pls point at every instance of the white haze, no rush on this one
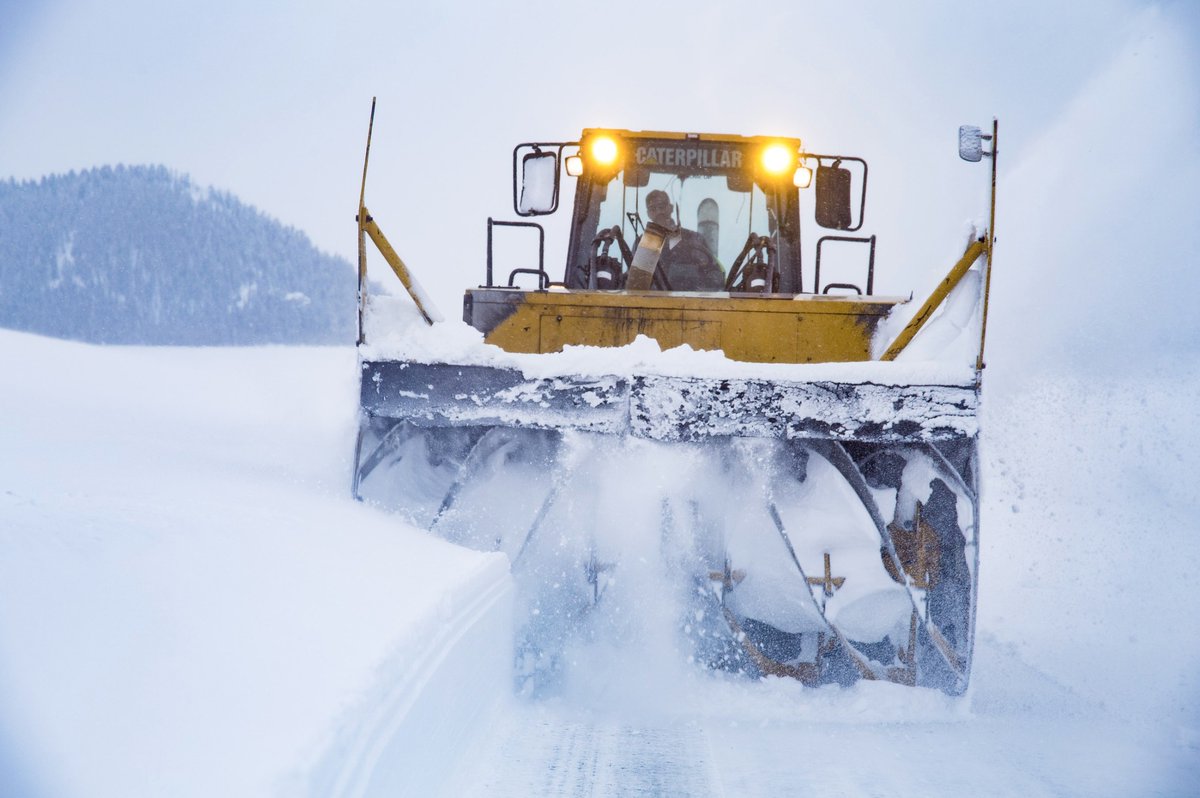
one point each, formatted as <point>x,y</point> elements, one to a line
<point>271,100</point>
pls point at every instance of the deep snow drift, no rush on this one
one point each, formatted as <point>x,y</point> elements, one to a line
<point>190,604</point>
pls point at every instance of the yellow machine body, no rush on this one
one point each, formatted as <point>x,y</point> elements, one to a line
<point>801,329</point>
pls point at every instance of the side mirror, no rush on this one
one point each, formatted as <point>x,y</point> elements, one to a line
<point>833,209</point>
<point>970,143</point>
<point>538,184</point>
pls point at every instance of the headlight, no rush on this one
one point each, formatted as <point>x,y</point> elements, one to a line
<point>802,178</point>
<point>777,159</point>
<point>603,150</point>
<point>574,165</point>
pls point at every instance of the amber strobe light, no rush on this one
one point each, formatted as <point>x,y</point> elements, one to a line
<point>778,158</point>
<point>603,150</point>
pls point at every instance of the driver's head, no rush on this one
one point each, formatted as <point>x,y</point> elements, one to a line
<point>659,208</point>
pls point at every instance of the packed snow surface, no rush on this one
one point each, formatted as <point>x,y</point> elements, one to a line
<point>191,604</point>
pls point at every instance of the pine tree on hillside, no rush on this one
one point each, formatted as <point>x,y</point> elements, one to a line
<point>138,255</point>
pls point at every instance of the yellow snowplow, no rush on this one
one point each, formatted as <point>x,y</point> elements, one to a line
<point>690,384</point>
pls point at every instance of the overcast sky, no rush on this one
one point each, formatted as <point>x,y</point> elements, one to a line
<point>269,100</point>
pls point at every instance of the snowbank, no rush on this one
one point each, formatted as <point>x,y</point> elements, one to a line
<point>190,604</point>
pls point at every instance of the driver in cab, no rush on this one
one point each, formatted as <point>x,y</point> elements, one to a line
<point>686,263</point>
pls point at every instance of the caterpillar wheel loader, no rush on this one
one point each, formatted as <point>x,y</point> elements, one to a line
<point>684,393</point>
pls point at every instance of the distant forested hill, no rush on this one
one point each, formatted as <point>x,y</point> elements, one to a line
<point>140,255</point>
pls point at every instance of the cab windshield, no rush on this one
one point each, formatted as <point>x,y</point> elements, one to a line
<point>714,202</point>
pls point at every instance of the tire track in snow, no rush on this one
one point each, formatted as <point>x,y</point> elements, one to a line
<point>541,750</point>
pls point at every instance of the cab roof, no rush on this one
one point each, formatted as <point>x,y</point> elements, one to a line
<point>669,135</point>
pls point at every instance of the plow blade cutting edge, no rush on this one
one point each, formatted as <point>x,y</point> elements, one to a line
<point>668,408</point>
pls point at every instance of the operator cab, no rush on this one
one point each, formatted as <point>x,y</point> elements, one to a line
<point>733,218</point>
<point>720,198</point>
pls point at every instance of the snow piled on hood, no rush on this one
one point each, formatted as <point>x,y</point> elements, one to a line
<point>395,331</point>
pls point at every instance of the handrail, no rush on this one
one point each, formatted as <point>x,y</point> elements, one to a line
<point>544,278</point>
<point>870,264</point>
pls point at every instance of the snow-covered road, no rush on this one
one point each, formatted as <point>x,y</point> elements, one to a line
<point>562,751</point>
<point>1019,733</point>
<point>190,604</point>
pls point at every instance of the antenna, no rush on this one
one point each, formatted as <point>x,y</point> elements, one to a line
<point>361,218</point>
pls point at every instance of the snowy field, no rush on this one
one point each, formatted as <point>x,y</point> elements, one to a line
<point>190,604</point>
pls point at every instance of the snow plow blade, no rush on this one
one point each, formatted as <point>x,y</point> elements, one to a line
<point>876,482</point>
<point>547,471</point>
<point>668,408</point>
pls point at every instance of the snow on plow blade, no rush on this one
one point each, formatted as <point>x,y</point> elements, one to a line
<point>668,408</point>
